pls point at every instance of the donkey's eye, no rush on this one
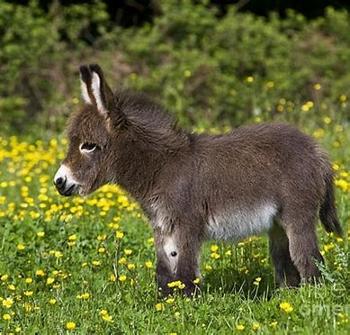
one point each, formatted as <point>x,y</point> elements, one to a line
<point>88,147</point>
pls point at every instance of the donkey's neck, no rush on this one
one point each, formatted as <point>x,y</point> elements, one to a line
<point>147,157</point>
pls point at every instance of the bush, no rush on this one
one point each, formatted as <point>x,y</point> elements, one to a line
<point>207,70</point>
<point>35,55</point>
<point>241,66</point>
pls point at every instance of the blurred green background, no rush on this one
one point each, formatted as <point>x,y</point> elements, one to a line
<point>211,63</point>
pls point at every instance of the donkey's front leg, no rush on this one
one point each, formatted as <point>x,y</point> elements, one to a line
<point>178,259</point>
<point>164,275</point>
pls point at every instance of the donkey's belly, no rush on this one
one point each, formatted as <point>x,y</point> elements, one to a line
<point>240,223</point>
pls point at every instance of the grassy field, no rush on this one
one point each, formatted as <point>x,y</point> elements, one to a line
<point>86,265</point>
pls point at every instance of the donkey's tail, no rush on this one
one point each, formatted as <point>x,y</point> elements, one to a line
<point>328,212</point>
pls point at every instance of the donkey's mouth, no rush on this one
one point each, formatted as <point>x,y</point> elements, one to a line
<point>68,192</point>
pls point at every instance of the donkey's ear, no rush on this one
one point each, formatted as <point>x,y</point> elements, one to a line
<point>85,81</point>
<point>94,88</point>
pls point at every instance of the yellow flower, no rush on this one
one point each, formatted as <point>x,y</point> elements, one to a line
<point>4,277</point>
<point>328,247</point>
<point>256,325</point>
<point>58,254</point>
<point>131,266</point>
<point>170,300</point>
<point>70,325</point>
<point>273,324</point>
<point>214,255</point>
<point>319,133</point>
<point>7,303</point>
<point>83,296</point>
<point>257,281</point>
<point>159,307</point>
<point>127,252</point>
<point>101,237</point>
<point>286,307</point>
<point>270,84</point>
<point>52,301</point>
<point>72,237</point>
<point>50,280</point>
<point>343,98</point>
<point>28,293</point>
<point>149,265</point>
<point>122,261</point>
<point>28,280</point>
<point>196,281</point>
<point>20,246</point>
<point>122,278</point>
<point>105,316</point>
<point>6,317</point>
<point>240,327</point>
<point>327,120</point>
<point>214,248</point>
<point>119,234</point>
<point>40,273</point>
<point>40,234</point>
<point>307,106</point>
<point>176,283</point>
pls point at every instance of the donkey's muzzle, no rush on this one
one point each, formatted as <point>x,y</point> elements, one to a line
<point>64,181</point>
<point>61,185</point>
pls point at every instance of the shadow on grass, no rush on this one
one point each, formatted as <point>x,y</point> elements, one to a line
<point>256,285</point>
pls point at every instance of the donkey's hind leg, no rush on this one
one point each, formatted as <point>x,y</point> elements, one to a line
<point>300,229</point>
<point>286,273</point>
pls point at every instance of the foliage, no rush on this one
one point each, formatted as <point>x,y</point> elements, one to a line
<point>206,69</point>
<point>35,51</point>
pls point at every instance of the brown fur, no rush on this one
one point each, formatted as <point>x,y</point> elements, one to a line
<point>188,183</point>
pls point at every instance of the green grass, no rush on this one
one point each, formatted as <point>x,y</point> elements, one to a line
<point>81,270</point>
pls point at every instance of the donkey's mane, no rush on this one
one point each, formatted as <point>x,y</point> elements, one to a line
<point>148,118</point>
<point>142,110</point>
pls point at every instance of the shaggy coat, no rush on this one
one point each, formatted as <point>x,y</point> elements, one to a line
<point>265,178</point>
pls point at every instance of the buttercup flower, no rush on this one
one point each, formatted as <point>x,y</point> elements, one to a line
<point>71,325</point>
<point>286,307</point>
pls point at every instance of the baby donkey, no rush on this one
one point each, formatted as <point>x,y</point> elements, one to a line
<point>263,178</point>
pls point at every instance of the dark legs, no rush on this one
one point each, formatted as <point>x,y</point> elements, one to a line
<point>293,247</point>
<point>286,273</point>
<point>177,260</point>
<point>304,252</point>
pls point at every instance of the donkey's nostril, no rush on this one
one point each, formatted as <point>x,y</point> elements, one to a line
<point>59,182</point>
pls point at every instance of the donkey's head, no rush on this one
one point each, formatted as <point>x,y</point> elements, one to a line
<point>92,133</point>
